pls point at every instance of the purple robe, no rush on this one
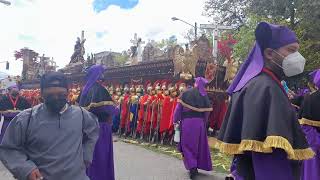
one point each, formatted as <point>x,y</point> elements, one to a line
<point>102,167</point>
<point>310,122</point>
<point>275,163</point>
<point>311,167</point>
<point>194,141</point>
<point>316,77</point>
<point>102,164</point>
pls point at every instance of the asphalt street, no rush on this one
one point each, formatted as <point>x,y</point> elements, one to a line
<point>136,163</point>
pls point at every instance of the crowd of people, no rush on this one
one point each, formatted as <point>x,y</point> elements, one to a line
<point>146,111</point>
<point>266,127</point>
<point>148,114</point>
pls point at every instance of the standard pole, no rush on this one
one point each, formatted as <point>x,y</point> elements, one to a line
<point>195,30</point>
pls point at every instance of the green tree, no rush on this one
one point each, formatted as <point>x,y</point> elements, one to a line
<point>301,15</point>
<point>190,35</point>
<point>245,37</point>
<point>121,58</point>
<point>309,48</point>
<point>276,9</point>
<point>235,12</point>
<point>165,43</point>
<point>230,12</point>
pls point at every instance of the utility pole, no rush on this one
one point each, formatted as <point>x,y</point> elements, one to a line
<point>195,30</point>
<point>7,64</point>
<point>195,26</point>
<point>215,28</point>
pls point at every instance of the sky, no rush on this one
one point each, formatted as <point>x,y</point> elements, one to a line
<point>51,27</point>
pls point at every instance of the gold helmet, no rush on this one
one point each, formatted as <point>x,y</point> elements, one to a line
<point>132,89</point>
<point>139,89</point>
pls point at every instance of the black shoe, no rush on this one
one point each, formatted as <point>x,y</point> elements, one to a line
<point>193,173</point>
<point>229,178</point>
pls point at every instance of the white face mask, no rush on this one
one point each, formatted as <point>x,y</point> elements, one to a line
<point>293,64</point>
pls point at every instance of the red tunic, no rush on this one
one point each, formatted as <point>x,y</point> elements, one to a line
<point>158,99</point>
<point>148,102</point>
<point>142,101</point>
<point>175,102</point>
<point>167,105</point>
<point>151,101</point>
<point>217,115</point>
<point>124,110</point>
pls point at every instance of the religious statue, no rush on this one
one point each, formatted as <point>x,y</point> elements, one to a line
<point>152,53</point>
<point>231,69</point>
<point>79,50</point>
<point>90,60</point>
<point>136,50</point>
<point>211,70</point>
<point>205,49</point>
<point>185,61</point>
<point>46,64</point>
<point>30,63</point>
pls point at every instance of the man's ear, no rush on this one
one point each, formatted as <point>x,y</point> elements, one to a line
<point>268,54</point>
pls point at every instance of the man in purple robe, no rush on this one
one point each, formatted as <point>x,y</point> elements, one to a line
<point>97,100</point>
<point>11,105</point>
<point>261,128</point>
<point>192,112</point>
<point>310,121</point>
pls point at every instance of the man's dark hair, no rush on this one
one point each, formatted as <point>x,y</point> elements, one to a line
<point>53,79</point>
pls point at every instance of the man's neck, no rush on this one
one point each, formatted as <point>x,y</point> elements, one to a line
<point>277,73</point>
<point>64,109</point>
<point>14,96</point>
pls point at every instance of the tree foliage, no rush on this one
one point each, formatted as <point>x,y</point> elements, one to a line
<point>164,43</point>
<point>236,12</point>
<point>245,37</point>
<point>276,9</point>
<point>303,16</point>
<point>190,35</point>
<point>230,12</point>
<point>122,58</point>
<point>309,48</point>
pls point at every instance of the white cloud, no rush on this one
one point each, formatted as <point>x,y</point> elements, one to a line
<point>51,27</point>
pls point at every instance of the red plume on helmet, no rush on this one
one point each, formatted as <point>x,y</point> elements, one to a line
<point>179,83</point>
<point>157,83</point>
<point>146,84</point>
<point>164,84</point>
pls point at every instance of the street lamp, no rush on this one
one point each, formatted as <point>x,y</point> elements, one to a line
<point>5,2</point>
<point>194,26</point>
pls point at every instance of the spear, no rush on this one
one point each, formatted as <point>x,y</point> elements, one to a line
<point>145,116</point>
<point>156,132</point>
<point>152,118</point>
<point>127,121</point>
<point>135,121</point>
